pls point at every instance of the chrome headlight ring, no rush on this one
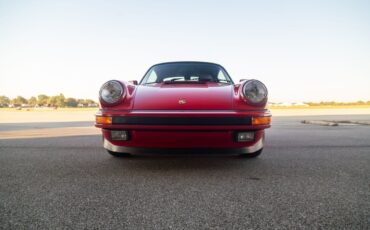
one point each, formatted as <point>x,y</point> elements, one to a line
<point>254,91</point>
<point>111,92</point>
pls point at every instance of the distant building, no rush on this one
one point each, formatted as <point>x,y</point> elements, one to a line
<point>299,104</point>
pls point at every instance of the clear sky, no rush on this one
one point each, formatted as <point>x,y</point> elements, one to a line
<point>302,50</point>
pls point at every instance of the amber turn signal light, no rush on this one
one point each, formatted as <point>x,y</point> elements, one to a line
<point>103,120</point>
<point>261,120</point>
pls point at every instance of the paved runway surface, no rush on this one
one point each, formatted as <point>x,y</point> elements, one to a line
<point>308,177</point>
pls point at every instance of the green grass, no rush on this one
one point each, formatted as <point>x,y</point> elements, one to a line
<point>48,109</point>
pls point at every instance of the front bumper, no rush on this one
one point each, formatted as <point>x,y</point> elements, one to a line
<point>144,151</point>
<point>183,131</point>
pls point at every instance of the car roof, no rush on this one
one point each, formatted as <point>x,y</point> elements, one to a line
<point>187,62</point>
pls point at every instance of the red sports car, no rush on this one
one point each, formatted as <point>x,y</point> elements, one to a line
<point>183,107</point>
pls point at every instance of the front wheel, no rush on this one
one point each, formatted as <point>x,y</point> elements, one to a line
<point>252,155</point>
<point>116,154</point>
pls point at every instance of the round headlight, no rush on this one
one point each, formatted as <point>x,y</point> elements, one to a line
<point>255,91</point>
<point>111,92</point>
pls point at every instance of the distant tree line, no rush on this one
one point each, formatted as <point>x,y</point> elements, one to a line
<point>43,100</point>
<point>333,103</point>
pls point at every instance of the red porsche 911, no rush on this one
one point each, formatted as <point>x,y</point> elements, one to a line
<point>183,107</point>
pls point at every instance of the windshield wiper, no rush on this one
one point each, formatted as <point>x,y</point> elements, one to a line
<point>150,83</point>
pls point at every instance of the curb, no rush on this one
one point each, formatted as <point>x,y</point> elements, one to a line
<point>323,123</point>
<point>352,122</point>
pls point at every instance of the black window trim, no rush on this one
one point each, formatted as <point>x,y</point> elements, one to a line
<point>187,62</point>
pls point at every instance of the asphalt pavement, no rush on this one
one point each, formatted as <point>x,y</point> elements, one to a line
<point>308,177</point>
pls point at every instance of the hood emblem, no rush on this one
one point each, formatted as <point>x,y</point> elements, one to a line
<point>182,101</point>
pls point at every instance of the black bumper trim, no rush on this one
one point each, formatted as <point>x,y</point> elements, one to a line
<point>128,120</point>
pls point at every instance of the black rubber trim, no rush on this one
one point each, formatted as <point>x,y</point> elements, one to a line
<point>126,120</point>
<point>185,151</point>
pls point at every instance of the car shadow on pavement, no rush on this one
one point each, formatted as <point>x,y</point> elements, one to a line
<point>184,162</point>
<point>87,153</point>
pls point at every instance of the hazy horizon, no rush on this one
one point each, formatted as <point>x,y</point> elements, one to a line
<point>97,99</point>
<point>303,51</point>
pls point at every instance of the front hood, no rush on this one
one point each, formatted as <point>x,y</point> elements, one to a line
<point>207,96</point>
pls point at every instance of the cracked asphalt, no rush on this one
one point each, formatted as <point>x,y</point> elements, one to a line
<point>308,177</point>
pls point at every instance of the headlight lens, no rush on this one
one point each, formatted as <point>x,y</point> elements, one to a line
<point>255,91</point>
<point>111,92</point>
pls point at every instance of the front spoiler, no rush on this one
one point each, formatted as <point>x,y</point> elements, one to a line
<point>147,151</point>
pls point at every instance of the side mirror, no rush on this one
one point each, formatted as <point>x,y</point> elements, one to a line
<point>134,82</point>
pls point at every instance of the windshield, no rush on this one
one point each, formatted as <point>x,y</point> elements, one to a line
<point>186,73</point>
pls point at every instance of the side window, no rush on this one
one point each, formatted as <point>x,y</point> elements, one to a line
<point>152,77</point>
<point>221,77</point>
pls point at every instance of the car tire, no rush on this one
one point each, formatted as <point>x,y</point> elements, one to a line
<point>117,154</point>
<point>252,155</point>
